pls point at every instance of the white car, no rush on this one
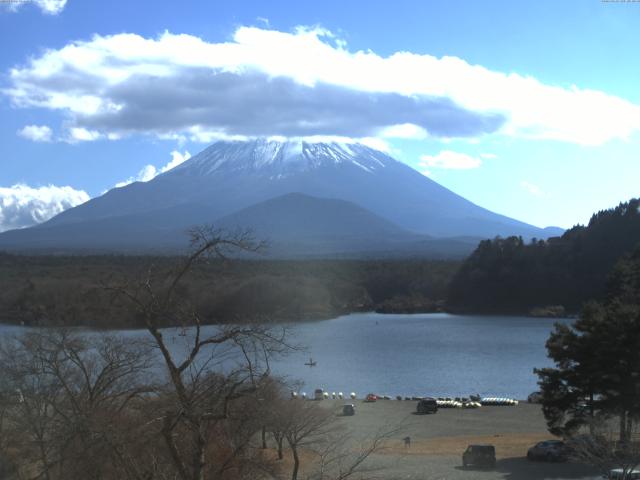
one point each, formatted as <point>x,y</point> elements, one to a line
<point>618,474</point>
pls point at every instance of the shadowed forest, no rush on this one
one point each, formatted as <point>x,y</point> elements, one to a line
<point>51,290</point>
<point>504,275</point>
<point>511,276</point>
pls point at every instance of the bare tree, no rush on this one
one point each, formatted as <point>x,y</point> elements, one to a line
<point>307,426</point>
<point>96,406</point>
<point>602,448</point>
<point>331,452</point>
<point>217,367</point>
<point>342,458</point>
<point>67,399</point>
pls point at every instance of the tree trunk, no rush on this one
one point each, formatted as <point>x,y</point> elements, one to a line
<point>296,463</point>
<point>623,427</point>
<point>264,437</point>
<point>44,459</point>
<point>280,454</point>
<point>199,461</point>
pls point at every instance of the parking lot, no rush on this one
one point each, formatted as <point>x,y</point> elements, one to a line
<point>437,441</point>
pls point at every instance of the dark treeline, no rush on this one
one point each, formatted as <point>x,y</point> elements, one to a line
<point>504,275</point>
<point>73,290</point>
<point>508,275</point>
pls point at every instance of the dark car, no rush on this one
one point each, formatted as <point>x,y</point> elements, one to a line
<point>427,405</point>
<point>549,451</point>
<point>348,409</point>
<point>479,456</point>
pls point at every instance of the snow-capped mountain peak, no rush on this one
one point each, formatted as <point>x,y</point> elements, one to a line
<point>280,158</point>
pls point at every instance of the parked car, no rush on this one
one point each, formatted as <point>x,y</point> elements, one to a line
<point>549,451</point>
<point>479,456</point>
<point>372,397</point>
<point>427,405</point>
<point>618,474</point>
<point>348,409</point>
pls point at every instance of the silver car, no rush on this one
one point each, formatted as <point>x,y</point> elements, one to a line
<point>549,451</point>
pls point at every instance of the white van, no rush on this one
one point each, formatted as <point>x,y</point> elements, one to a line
<point>618,474</point>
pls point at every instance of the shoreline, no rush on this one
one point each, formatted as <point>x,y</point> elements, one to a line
<point>309,319</point>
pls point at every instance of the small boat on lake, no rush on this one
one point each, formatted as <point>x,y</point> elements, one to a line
<point>311,362</point>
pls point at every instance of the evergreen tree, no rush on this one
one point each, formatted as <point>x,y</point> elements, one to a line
<point>597,359</point>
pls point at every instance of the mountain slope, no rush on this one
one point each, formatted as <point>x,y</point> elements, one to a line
<point>300,225</point>
<point>297,216</point>
<point>230,176</point>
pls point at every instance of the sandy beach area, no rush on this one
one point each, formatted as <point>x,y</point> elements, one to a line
<point>438,441</point>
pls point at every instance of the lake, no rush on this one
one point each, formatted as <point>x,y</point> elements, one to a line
<point>424,354</point>
<point>415,355</point>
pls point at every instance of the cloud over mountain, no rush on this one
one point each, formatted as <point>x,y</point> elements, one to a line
<point>22,206</point>
<point>256,105</point>
<point>149,172</point>
<point>266,82</point>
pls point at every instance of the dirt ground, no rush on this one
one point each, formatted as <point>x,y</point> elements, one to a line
<point>438,440</point>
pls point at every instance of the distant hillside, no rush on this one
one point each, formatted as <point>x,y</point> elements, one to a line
<point>302,217</point>
<point>296,224</point>
<point>510,275</point>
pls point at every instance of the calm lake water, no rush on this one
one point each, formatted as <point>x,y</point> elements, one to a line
<point>429,354</point>
<point>425,354</point>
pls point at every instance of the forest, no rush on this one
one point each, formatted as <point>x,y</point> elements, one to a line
<point>74,290</point>
<point>508,275</point>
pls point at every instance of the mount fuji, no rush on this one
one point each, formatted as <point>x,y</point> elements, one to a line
<point>306,198</point>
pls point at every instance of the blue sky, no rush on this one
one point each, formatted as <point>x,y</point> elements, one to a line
<point>537,110</point>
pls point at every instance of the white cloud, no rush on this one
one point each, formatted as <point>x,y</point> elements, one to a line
<point>22,206</point>
<point>36,133</point>
<point>448,159</point>
<point>79,134</point>
<point>50,7</point>
<point>149,172</point>
<point>302,83</point>
<point>176,159</point>
<point>375,143</point>
<point>406,130</point>
<point>533,189</point>
<point>488,156</point>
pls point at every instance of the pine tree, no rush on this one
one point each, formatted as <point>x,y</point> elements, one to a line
<point>597,359</point>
